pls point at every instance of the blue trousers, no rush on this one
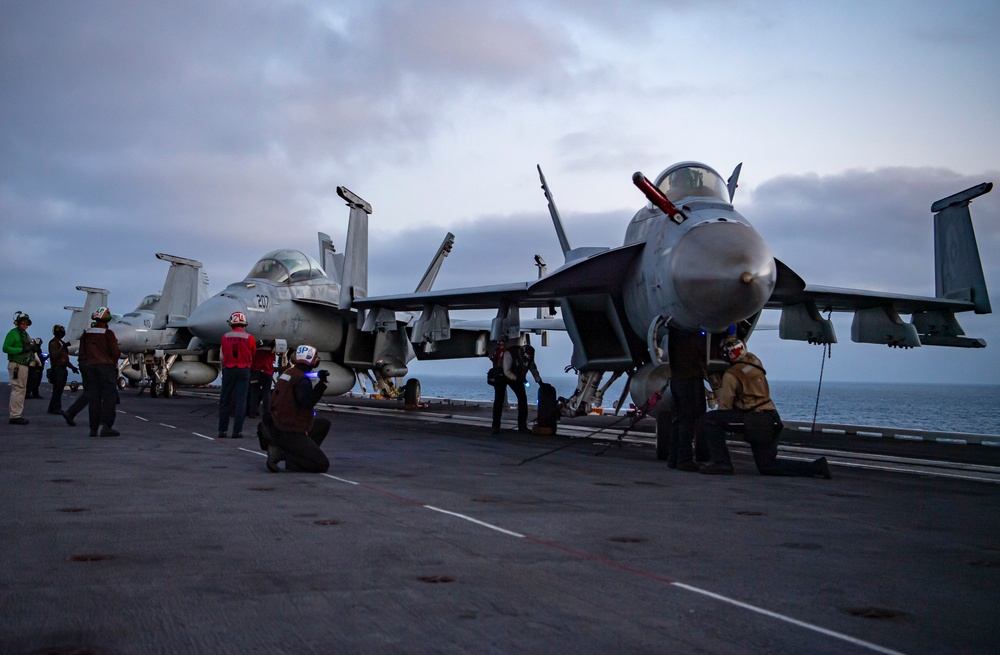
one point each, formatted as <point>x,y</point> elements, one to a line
<point>233,398</point>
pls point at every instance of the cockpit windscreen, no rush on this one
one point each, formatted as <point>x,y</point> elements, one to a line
<point>692,181</point>
<point>284,266</point>
<point>149,303</point>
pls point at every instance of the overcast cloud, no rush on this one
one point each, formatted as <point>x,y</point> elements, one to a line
<point>219,131</point>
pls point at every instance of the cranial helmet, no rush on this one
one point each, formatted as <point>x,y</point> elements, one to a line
<point>58,331</point>
<point>21,316</point>
<point>237,318</point>
<point>102,314</point>
<point>733,349</point>
<point>307,355</point>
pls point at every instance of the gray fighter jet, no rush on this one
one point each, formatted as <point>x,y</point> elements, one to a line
<point>290,298</point>
<point>158,352</point>
<point>691,262</point>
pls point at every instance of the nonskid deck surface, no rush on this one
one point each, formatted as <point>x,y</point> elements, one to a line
<point>432,535</point>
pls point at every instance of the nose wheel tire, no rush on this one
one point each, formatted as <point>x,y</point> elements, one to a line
<point>411,393</point>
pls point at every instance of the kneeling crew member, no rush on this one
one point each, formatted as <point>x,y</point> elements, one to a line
<point>745,406</point>
<point>297,435</point>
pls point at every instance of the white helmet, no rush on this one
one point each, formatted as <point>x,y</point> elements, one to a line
<point>732,349</point>
<point>102,314</point>
<point>306,354</point>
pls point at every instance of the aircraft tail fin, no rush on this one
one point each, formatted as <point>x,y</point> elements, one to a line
<point>80,320</point>
<point>185,288</point>
<point>734,181</point>
<point>958,269</point>
<point>556,220</point>
<point>354,277</point>
<point>333,261</point>
<point>427,281</point>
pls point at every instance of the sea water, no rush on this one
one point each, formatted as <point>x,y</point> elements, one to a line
<point>946,408</point>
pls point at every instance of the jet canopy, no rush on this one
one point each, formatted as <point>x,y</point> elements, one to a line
<point>691,179</point>
<point>149,303</point>
<point>285,266</point>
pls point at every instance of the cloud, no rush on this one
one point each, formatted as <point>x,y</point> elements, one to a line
<point>867,229</point>
<point>219,131</point>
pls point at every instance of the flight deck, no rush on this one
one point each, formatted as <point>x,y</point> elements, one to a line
<point>430,535</point>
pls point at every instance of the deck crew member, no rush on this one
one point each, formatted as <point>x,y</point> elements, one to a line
<point>58,364</point>
<point>292,433</point>
<point>20,350</point>
<point>687,355</point>
<point>513,365</point>
<point>237,351</point>
<point>35,370</point>
<point>99,349</point>
<point>745,406</point>
<point>261,379</point>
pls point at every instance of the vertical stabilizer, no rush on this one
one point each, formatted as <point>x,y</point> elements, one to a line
<point>958,269</point>
<point>354,279</point>
<point>556,220</point>
<point>185,288</point>
<point>734,181</point>
<point>333,261</point>
<point>427,281</point>
<point>80,320</point>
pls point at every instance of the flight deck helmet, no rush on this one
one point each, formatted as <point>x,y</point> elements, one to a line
<point>733,349</point>
<point>58,331</point>
<point>306,355</point>
<point>102,314</point>
<point>238,319</point>
<point>21,316</point>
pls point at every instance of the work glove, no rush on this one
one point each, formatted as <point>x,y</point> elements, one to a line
<point>323,376</point>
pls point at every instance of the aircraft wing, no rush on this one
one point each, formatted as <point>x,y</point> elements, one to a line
<point>527,324</point>
<point>602,272</point>
<point>876,314</point>
<point>486,297</point>
<point>848,300</point>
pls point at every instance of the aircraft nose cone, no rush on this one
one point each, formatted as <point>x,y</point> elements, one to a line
<point>723,272</point>
<point>210,320</point>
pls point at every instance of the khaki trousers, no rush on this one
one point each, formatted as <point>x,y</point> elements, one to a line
<point>18,385</point>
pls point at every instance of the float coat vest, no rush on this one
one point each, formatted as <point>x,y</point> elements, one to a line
<point>288,416</point>
<point>747,388</point>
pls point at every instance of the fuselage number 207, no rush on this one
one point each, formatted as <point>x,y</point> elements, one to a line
<point>262,301</point>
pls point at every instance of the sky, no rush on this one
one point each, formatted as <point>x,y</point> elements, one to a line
<point>219,131</point>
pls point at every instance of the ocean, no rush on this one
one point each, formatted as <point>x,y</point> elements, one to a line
<point>947,408</point>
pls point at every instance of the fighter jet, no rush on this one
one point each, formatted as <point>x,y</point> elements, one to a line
<point>157,350</point>
<point>290,298</point>
<point>691,262</point>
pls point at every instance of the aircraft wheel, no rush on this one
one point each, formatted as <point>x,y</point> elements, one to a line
<point>154,389</point>
<point>663,430</point>
<point>168,389</point>
<point>411,393</point>
<point>122,383</point>
<point>74,386</point>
